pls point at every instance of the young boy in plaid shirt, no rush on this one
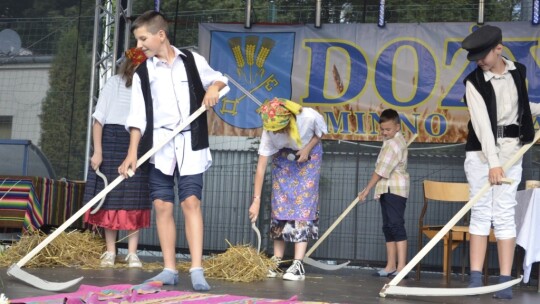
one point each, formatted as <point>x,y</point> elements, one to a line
<point>391,182</point>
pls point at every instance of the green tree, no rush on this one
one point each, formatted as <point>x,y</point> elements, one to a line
<point>41,8</point>
<point>65,108</point>
<point>14,8</point>
<point>407,11</point>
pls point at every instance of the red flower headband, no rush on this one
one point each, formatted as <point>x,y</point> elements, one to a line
<point>136,55</point>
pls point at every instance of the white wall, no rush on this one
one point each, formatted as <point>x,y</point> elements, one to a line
<point>22,90</point>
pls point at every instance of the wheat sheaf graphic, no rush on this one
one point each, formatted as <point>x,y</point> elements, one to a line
<point>249,57</point>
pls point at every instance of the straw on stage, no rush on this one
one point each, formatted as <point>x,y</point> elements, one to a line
<point>74,249</point>
<point>239,263</point>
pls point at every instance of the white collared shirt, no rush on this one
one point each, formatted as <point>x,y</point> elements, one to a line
<point>170,96</point>
<point>112,107</point>
<point>496,153</point>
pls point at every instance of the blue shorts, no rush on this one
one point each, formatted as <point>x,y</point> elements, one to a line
<point>162,185</point>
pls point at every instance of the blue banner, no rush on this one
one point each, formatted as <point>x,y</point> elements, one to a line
<point>351,72</point>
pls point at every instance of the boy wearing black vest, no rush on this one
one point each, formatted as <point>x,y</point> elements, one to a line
<point>167,88</point>
<point>501,122</point>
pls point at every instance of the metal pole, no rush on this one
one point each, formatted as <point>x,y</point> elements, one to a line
<point>365,11</point>
<point>318,13</point>
<point>116,35</point>
<point>92,88</point>
<point>127,18</point>
<point>382,21</point>
<point>480,12</point>
<point>272,11</point>
<point>535,12</point>
<point>247,23</point>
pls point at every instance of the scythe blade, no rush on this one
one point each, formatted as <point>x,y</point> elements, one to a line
<point>322,265</point>
<point>441,292</point>
<point>16,271</point>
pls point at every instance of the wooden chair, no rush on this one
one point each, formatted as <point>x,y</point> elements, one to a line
<point>446,192</point>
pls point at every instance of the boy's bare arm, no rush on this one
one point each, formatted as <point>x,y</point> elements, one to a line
<point>211,97</point>
<point>372,182</point>
<point>131,159</point>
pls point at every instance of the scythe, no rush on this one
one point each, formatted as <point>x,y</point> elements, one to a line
<point>15,269</point>
<point>392,289</point>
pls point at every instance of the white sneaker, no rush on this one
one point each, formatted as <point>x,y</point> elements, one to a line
<point>133,261</point>
<point>296,272</point>
<point>107,259</point>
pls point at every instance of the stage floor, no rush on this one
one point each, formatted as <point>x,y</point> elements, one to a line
<point>351,285</point>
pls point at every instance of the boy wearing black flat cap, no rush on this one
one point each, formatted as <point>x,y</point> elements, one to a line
<point>501,121</point>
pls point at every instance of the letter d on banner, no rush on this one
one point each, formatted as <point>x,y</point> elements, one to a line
<point>349,62</point>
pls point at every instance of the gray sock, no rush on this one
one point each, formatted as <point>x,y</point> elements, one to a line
<point>476,279</point>
<point>197,279</point>
<point>167,277</point>
<point>505,293</point>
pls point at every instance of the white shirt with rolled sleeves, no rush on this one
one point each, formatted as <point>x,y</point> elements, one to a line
<point>309,123</point>
<point>170,95</point>
<point>496,153</point>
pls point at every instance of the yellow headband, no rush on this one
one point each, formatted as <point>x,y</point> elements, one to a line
<point>279,113</point>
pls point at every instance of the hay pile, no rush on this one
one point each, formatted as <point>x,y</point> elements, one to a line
<point>240,263</point>
<point>73,249</point>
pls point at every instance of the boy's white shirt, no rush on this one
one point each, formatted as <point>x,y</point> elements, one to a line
<point>496,153</point>
<point>170,95</point>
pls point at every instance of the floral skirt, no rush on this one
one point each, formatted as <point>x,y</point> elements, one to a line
<point>295,186</point>
<point>294,231</point>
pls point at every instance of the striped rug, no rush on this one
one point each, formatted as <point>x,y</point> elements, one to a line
<point>30,202</point>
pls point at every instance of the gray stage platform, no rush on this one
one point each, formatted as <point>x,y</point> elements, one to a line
<point>351,285</point>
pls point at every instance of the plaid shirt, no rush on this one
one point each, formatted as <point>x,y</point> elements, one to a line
<point>392,166</point>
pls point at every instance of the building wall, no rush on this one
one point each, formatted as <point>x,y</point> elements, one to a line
<point>22,90</point>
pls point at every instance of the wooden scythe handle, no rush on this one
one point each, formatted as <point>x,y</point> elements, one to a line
<point>422,253</point>
<point>344,214</point>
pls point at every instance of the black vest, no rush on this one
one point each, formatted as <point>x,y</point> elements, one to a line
<point>485,88</point>
<point>199,127</point>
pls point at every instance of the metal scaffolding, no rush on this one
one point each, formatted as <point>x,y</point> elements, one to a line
<point>111,37</point>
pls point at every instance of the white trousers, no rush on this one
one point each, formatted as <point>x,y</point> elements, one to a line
<point>497,206</point>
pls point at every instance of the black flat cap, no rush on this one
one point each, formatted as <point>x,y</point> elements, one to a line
<point>481,41</point>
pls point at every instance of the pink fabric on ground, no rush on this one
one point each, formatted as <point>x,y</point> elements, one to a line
<point>145,293</point>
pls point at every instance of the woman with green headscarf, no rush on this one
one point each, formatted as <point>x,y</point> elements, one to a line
<point>292,138</point>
